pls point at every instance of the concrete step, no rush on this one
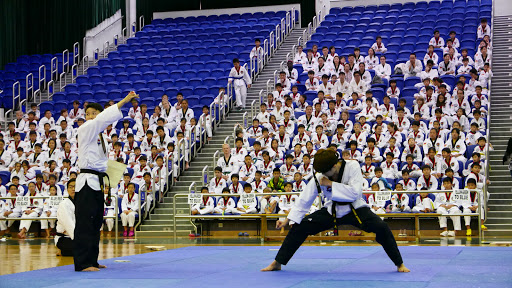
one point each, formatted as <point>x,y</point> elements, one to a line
<point>153,234</point>
<point>497,233</point>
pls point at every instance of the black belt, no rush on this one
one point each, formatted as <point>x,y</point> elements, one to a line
<point>100,175</point>
<point>61,235</point>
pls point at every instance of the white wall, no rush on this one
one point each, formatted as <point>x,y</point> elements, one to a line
<point>343,3</point>
<point>105,31</point>
<point>207,12</point>
<point>502,7</point>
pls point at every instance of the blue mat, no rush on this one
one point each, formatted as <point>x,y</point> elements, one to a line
<point>312,266</point>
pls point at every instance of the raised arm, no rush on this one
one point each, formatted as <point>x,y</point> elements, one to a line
<point>89,131</point>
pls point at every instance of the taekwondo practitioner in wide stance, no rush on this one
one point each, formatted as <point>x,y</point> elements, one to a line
<point>341,183</point>
<point>89,199</point>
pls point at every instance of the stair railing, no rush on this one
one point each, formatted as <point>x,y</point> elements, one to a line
<point>215,157</point>
<point>204,174</point>
<point>253,109</point>
<point>487,130</point>
<point>260,98</point>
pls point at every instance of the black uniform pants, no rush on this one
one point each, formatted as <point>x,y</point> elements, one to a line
<point>89,206</point>
<point>321,220</point>
<point>65,244</point>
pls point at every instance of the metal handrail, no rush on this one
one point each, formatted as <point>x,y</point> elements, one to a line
<point>123,34</point>
<point>105,48</point>
<point>85,62</point>
<point>215,156</point>
<point>62,80</point>
<point>185,195</point>
<point>487,130</point>
<point>54,68</point>
<point>16,95</point>
<point>29,83</point>
<point>245,121</point>
<point>261,96</point>
<point>74,72</point>
<point>50,90</point>
<point>204,174</point>
<point>65,60</point>
<point>190,187</point>
<point>141,22</point>
<point>76,53</point>
<point>96,56</point>
<point>253,108</point>
<point>42,77</point>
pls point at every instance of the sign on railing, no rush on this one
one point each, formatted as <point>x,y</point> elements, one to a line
<point>194,198</point>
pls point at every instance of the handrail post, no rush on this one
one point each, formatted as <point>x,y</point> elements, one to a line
<point>204,174</point>
<point>141,22</point>
<point>74,73</point>
<point>123,35</point>
<point>16,95</point>
<point>215,156</point>
<point>253,109</point>
<point>134,28</point>
<point>261,100</point>
<point>245,120</point>
<point>105,48</point>
<point>85,62</point>
<point>50,89</point>
<point>192,186</point>
<point>55,69</point>
<point>96,56</point>
<point>76,53</point>
<point>116,214</point>
<point>29,83</point>
<point>42,77</point>
<point>62,80</point>
<point>65,60</point>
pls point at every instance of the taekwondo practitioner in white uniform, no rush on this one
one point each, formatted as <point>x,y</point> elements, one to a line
<point>344,204</point>
<point>89,200</point>
<point>241,80</point>
<point>66,222</point>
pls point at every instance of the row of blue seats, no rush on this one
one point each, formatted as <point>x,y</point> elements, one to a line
<point>412,34</point>
<point>392,21</point>
<point>222,17</point>
<point>180,84</point>
<point>63,100</point>
<point>189,47</point>
<point>408,17</point>
<point>217,27</point>
<point>154,56</point>
<point>161,48</point>
<point>198,66</point>
<point>142,37</point>
<point>435,5</point>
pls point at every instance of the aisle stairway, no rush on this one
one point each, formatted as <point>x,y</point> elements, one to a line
<point>161,222</point>
<point>499,219</point>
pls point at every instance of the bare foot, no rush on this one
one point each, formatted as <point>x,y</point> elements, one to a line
<point>403,269</point>
<point>274,266</point>
<point>90,269</point>
<point>22,235</point>
<point>102,266</point>
<point>58,253</point>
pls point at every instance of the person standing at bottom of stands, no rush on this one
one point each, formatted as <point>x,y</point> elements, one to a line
<point>89,200</point>
<point>342,184</point>
<point>66,222</point>
<point>241,80</point>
